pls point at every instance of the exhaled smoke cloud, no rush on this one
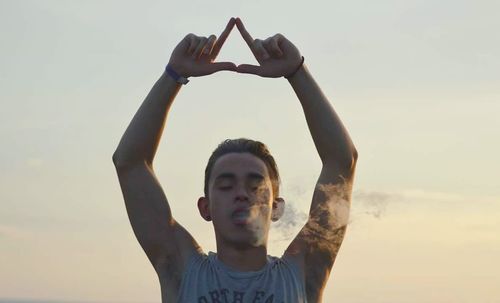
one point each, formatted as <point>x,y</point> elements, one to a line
<point>289,223</point>
<point>331,213</point>
<point>373,203</point>
<point>329,216</point>
<point>293,218</point>
<point>324,229</point>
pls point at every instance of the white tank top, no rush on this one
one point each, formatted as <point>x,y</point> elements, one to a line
<point>208,280</point>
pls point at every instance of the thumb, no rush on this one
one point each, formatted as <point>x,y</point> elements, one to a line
<point>219,66</point>
<point>249,69</point>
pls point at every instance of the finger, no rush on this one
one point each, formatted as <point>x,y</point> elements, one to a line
<point>222,38</point>
<point>209,45</point>
<point>244,33</point>
<point>191,38</point>
<point>201,43</point>
<point>259,48</point>
<point>273,47</point>
<point>249,69</point>
<point>220,66</point>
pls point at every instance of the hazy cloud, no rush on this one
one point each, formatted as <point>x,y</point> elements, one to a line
<point>13,232</point>
<point>373,203</point>
<point>34,162</point>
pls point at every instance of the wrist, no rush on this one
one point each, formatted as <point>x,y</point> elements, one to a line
<point>172,73</point>
<point>299,74</point>
<point>169,80</point>
<point>292,74</point>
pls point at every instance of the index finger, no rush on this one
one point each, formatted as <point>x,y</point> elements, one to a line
<point>244,33</point>
<point>223,37</point>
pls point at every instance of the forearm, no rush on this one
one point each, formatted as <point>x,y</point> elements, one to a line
<point>141,139</point>
<point>330,137</point>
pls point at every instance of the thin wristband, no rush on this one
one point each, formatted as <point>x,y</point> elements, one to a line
<point>300,65</point>
<point>176,76</point>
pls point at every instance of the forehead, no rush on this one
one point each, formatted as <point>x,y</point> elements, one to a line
<point>239,164</point>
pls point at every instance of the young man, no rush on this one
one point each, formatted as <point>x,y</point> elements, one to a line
<point>241,189</point>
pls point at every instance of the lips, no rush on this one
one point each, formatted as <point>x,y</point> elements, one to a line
<point>241,215</point>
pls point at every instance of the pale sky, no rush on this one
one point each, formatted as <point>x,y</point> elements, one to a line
<point>416,83</point>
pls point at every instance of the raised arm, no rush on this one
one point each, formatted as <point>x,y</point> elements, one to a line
<point>319,240</point>
<point>166,243</point>
<point>317,244</point>
<point>189,58</point>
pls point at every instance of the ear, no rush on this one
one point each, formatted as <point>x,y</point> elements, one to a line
<point>203,207</point>
<point>278,209</point>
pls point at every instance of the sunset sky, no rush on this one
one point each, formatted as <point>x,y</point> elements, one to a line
<point>416,83</point>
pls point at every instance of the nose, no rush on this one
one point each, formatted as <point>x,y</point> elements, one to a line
<point>241,194</point>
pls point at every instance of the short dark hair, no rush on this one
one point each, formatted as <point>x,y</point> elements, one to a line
<point>244,145</point>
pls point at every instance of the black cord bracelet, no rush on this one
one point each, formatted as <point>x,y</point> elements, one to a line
<point>300,65</point>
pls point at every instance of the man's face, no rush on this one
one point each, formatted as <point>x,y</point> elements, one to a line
<point>240,192</point>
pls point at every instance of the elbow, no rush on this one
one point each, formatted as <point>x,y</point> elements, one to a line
<point>353,159</point>
<point>345,163</point>
<point>350,158</point>
<point>122,162</point>
<point>114,158</point>
<point>350,164</point>
<point>117,161</point>
<point>354,155</point>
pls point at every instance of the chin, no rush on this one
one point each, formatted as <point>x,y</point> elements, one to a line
<point>249,240</point>
<point>244,245</point>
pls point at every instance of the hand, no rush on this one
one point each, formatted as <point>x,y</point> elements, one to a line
<point>195,55</point>
<point>276,55</point>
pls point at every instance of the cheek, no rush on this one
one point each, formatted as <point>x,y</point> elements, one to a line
<point>264,202</point>
<point>263,195</point>
<point>218,207</point>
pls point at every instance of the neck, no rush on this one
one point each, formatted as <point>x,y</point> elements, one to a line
<point>242,259</point>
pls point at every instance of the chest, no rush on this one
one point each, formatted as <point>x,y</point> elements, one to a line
<point>246,291</point>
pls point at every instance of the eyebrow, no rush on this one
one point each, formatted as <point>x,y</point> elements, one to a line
<point>233,176</point>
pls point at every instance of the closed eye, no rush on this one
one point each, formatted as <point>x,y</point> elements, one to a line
<point>229,187</point>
